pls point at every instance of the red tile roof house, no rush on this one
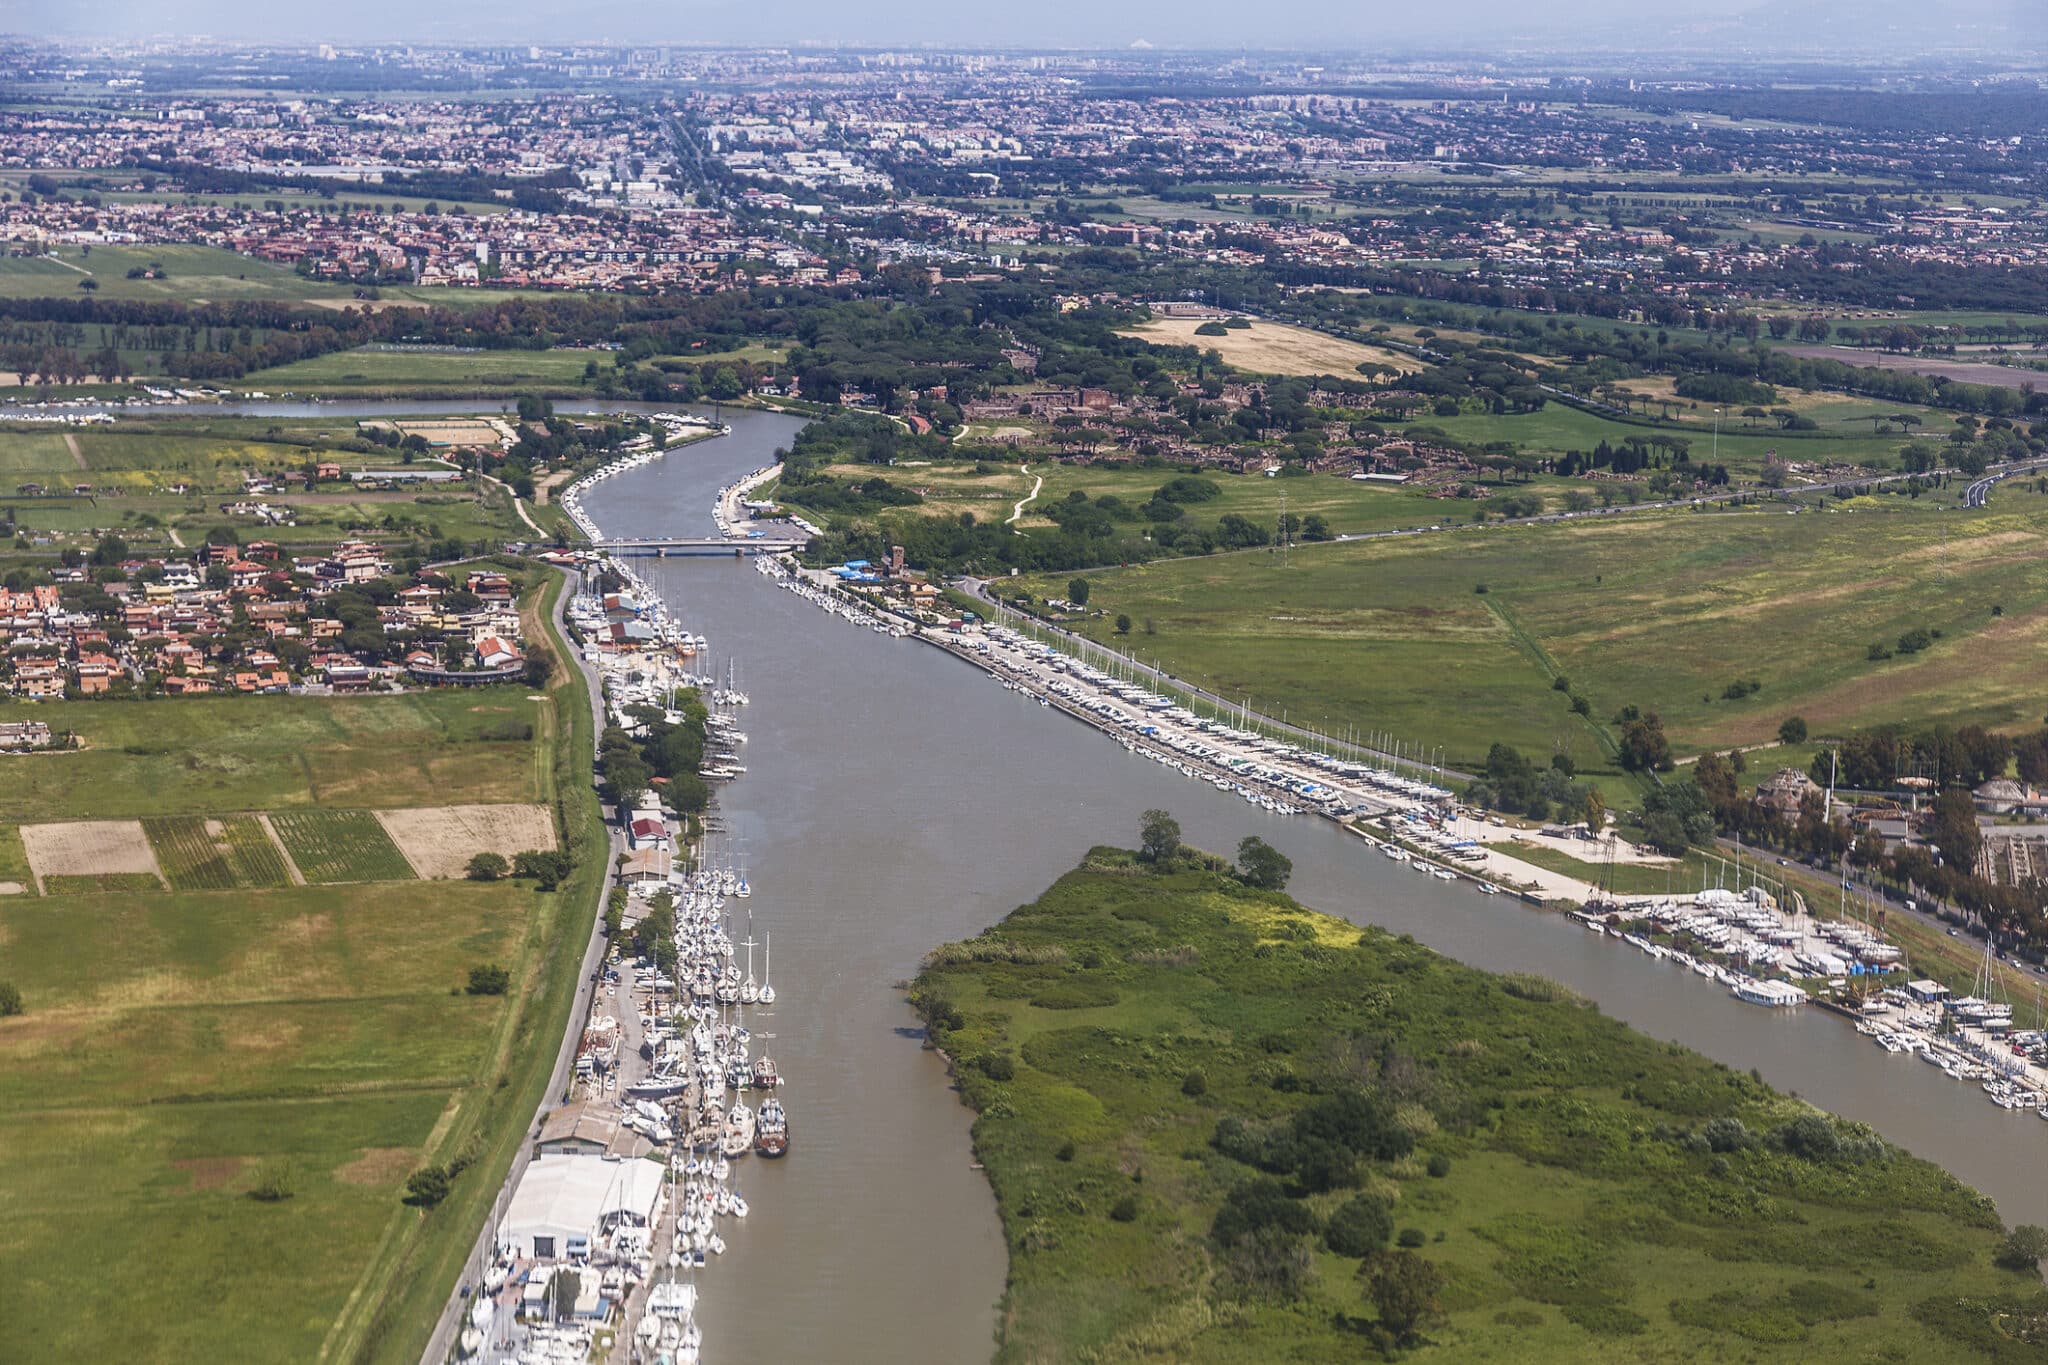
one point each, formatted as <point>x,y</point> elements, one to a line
<point>492,652</point>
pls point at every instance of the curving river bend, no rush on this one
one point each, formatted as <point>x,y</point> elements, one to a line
<point>896,798</point>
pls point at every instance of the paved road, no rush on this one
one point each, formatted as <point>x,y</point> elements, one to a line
<point>455,1312</point>
<point>1979,493</point>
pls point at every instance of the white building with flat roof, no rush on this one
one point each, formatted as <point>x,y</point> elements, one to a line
<point>564,1204</point>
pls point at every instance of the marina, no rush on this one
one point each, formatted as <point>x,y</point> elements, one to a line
<point>881,1215</point>
<point>1764,955</point>
<point>672,1066</point>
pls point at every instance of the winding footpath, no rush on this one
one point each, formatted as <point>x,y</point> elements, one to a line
<point>1026,500</point>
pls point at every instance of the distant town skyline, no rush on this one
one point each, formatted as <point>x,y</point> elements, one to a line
<point>1884,27</point>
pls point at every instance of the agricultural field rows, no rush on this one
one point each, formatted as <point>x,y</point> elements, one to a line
<point>201,854</point>
<point>331,846</point>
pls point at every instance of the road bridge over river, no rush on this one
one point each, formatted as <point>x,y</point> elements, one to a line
<point>662,547</point>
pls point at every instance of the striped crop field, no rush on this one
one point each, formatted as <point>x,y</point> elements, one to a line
<point>340,846</point>
<point>201,853</point>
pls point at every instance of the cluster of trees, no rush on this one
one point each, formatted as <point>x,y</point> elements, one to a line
<point>1511,783</point>
<point>1265,1231</point>
<point>1643,745</point>
<point>669,752</point>
<point>1259,864</point>
<point>547,868</point>
<point>654,933</point>
<point>1966,756</point>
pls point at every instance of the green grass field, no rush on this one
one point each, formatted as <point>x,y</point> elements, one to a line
<point>202,274</point>
<point>1137,1047</point>
<point>14,868</point>
<point>381,370</point>
<point>1349,508</point>
<point>203,755</point>
<point>103,884</point>
<point>134,470</point>
<point>429,369</point>
<point>192,273</point>
<point>1558,428</point>
<point>41,456</point>
<point>184,1053</point>
<point>178,1046</point>
<point>340,846</point>
<point>1660,611</point>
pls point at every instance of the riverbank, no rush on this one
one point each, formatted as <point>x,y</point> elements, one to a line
<point>424,1312</point>
<point>1286,1093</point>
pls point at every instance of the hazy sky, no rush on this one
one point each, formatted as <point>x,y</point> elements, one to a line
<point>1348,24</point>
<point>1051,22</point>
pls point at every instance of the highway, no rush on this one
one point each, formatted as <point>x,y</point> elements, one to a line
<point>1979,493</point>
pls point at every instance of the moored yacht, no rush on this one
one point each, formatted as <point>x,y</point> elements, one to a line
<point>771,1129</point>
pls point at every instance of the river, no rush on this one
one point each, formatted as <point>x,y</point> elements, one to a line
<point>896,798</point>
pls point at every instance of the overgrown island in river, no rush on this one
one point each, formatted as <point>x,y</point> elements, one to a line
<point>1223,1127</point>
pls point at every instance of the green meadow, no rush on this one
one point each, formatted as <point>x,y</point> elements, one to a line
<point>386,369</point>
<point>990,489</point>
<point>191,274</point>
<point>1213,1120</point>
<point>134,472</point>
<point>202,274</point>
<point>1557,428</point>
<point>205,755</point>
<point>215,1094</point>
<point>1459,639</point>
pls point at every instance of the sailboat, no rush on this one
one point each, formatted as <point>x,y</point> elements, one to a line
<point>672,1304</point>
<point>767,996</point>
<point>750,990</point>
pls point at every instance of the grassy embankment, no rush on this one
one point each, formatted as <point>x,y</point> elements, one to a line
<point>1596,1195</point>
<point>1658,611</point>
<point>183,1050</point>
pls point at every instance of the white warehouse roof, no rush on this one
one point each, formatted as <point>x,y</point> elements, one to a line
<point>571,1199</point>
